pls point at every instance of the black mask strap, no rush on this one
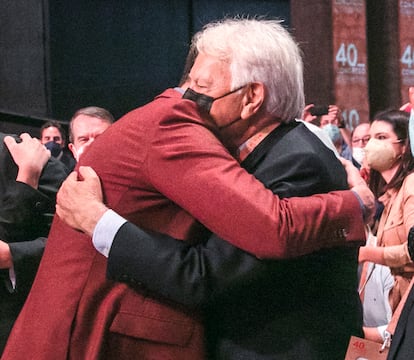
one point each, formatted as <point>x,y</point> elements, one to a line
<point>204,101</point>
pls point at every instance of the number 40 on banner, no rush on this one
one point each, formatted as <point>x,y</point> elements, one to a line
<point>407,57</point>
<point>347,55</point>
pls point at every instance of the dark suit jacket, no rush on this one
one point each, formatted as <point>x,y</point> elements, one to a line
<point>402,344</point>
<point>68,160</point>
<point>161,166</point>
<point>303,308</point>
<point>25,213</point>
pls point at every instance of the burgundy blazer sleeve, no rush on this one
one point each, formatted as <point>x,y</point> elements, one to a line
<point>206,181</point>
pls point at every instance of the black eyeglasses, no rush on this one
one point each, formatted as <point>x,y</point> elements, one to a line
<point>364,140</point>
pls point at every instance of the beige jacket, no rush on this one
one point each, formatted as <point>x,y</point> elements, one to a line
<point>395,223</point>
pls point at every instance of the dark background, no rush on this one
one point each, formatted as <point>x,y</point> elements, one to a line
<point>57,56</point>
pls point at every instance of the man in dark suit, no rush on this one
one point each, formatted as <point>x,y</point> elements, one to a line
<point>171,169</point>
<point>253,308</point>
<point>28,185</point>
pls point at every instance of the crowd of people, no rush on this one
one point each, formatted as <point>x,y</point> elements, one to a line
<point>234,222</point>
<point>29,185</point>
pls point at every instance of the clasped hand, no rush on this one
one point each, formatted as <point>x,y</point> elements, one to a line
<point>79,202</point>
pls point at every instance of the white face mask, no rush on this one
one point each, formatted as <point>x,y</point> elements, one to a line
<point>78,152</point>
<point>380,154</point>
<point>333,132</point>
<point>358,154</point>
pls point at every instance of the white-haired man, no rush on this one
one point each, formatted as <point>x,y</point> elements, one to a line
<point>171,158</point>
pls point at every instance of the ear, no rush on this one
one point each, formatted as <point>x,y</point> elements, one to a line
<point>71,147</point>
<point>253,99</point>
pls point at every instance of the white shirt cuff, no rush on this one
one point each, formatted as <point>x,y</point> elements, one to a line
<point>381,330</point>
<point>105,231</point>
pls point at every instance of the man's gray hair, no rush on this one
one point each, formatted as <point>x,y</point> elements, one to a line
<point>259,50</point>
<point>92,111</point>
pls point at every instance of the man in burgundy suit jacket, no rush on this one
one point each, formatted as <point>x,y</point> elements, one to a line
<point>162,166</point>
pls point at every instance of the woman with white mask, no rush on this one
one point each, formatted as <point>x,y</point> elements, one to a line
<point>391,179</point>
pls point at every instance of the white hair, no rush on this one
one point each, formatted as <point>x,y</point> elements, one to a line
<point>263,51</point>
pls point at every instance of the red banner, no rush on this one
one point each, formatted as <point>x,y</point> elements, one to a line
<point>350,60</point>
<point>406,34</point>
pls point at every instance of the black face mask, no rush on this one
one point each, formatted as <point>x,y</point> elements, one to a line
<point>54,148</point>
<point>203,101</point>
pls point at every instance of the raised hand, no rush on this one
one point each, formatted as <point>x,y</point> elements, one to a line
<point>30,156</point>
